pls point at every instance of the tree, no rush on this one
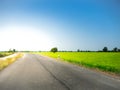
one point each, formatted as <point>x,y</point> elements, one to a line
<point>118,50</point>
<point>105,49</point>
<point>115,49</point>
<point>54,49</point>
<point>14,50</point>
<point>78,50</point>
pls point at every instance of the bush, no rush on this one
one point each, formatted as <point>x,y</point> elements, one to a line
<point>54,50</point>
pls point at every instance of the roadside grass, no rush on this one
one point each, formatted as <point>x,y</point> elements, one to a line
<point>106,61</point>
<point>3,54</point>
<point>7,61</point>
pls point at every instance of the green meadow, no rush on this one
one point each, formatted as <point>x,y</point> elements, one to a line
<point>106,61</point>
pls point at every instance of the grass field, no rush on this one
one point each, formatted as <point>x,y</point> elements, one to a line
<point>9,60</point>
<point>106,61</point>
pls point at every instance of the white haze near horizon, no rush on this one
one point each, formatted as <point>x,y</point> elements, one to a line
<point>25,38</point>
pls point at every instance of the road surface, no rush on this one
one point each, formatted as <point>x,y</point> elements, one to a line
<point>34,72</point>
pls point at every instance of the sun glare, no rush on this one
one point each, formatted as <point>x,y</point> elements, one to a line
<point>25,38</point>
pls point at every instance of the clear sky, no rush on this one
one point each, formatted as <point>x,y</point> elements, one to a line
<point>66,24</point>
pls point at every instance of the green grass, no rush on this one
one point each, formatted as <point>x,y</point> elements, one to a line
<point>3,54</point>
<point>106,61</point>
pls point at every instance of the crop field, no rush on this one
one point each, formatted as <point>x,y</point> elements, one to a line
<point>106,61</point>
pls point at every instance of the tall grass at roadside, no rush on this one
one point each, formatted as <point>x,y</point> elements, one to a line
<point>9,60</point>
<point>107,61</point>
<point>3,54</point>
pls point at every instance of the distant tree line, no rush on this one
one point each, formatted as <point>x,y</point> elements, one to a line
<point>105,49</point>
<point>115,49</point>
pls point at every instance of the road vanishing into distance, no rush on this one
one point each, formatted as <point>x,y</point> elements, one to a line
<point>35,72</point>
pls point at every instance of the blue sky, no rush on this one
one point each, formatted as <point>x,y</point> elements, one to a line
<point>66,24</point>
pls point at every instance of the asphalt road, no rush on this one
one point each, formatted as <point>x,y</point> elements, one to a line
<point>34,72</point>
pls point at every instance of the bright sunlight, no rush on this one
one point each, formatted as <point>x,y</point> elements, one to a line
<point>25,38</point>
